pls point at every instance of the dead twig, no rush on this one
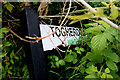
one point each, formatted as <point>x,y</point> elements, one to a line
<point>63,11</point>
<point>94,21</point>
<point>19,50</point>
<point>40,38</point>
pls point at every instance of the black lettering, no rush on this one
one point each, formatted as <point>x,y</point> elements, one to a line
<point>52,30</point>
<point>58,32</point>
<point>67,31</point>
<point>73,31</point>
<point>77,32</point>
<point>63,31</point>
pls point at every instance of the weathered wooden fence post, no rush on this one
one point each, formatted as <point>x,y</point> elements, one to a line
<point>34,51</point>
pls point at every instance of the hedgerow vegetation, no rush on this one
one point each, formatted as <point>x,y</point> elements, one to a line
<point>95,55</point>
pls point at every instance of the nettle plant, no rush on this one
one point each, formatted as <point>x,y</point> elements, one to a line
<point>99,55</point>
<point>104,50</point>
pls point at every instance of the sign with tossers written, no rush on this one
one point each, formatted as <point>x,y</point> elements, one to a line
<point>66,35</point>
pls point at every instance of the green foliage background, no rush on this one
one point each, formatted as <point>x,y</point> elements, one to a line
<point>94,56</point>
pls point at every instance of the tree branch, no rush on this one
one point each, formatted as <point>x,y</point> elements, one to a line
<point>103,18</point>
<point>40,38</point>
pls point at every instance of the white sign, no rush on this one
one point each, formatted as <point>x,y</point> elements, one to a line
<point>67,35</point>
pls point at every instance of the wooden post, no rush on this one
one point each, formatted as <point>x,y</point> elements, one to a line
<point>34,51</point>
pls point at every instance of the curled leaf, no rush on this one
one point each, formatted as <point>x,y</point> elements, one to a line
<point>114,12</point>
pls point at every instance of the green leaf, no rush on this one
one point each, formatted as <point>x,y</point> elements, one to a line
<point>9,7</point>
<point>10,67</point>
<point>0,19</point>
<point>12,54</point>
<point>74,54</point>
<point>109,54</point>
<point>115,57</point>
<point>69,58</point>
<point>74,21</point>
<point>108,36</point>
<point>98,43</point>
<point>69,51</point>
<point>3,55</point>
<point>82,70</point>
<point>0,45</point>
<point>107,70</point>
<point>84,59</point>
<point>12,61</point>
<point>114,12</point>
<point>100,12</point>
<point>114,74</point>
<point>104,75</point>
<point>61,62</point>
<point>4,30</point>
<point>112,65</point>
<point>55,73</point>
<point>109,29</point>
<point>35,3</point>
<point>109,76</point>
<point>7,44</point>
<point>107,26</point>
<point>75,61</point>
<point>90,56</point>
<point>10,72</point>
<point>89,44</point>
<point>78,51</point>
<point>82,49</point>
<point>94,30</point>
<point>53,66</point>
<point>81,17</point>
<point>91,76</point>
<point>94,57</point>
<point>57,64</point>
<point>1,35</point>
<point>90,64</point>
<point>94,68</point>
<point>16,57</point>
<point>56,58</point>
<point>91,24</point>
<point>76,48</point>
<point>49,57</point>
<point>91,70</point>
